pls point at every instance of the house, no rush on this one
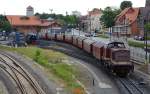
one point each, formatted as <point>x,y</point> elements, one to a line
<point>126,22</point>
<point>93,18</point>
<point>131,21</point>
<point>30,23</point>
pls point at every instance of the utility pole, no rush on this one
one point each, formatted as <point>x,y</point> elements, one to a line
<point>145,36</point>
<point>90,23</point>
<point>51,22</point>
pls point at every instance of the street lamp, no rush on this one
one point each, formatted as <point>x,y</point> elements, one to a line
<point>145,35</point>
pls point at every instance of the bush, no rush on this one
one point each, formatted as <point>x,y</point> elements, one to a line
<point>148,37</point>
<point>63,71</point>
<point>37,55</point>
<point>39,58</point>
<point>137,44</point>
<point>103,36</point>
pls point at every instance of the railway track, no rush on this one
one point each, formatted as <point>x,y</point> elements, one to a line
<point>23,81</point>
<point>130,86</point>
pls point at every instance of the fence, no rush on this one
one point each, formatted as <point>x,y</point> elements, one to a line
<point>139,54</point>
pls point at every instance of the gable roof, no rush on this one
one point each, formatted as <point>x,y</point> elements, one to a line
<point>131,16</point>
<point>95,11</point>
<point>18,20</point>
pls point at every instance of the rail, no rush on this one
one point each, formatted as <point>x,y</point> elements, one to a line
<point>24,81</point>
<point>130,86</point>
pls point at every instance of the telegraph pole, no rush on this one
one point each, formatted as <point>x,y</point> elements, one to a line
<point>51,22</point>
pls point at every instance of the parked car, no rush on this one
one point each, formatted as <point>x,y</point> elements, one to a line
<point>141,38</point>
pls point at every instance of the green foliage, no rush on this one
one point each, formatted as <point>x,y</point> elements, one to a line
<point>108,17</point>
<point>4,24</point>
<point>68,19</point>
<point>137,44</point>
<point>147,26</point>
<point>125,4</point>
<point>148,37</point>
<point>103,36</point>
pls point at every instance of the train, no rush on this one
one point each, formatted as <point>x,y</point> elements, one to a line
<point>114,56</point>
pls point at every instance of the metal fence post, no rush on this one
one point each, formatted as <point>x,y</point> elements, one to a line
<point>149,57</point>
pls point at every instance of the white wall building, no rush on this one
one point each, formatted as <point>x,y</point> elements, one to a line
<point>30,11</point>
<point>76,13</point>
<point>93,18</point>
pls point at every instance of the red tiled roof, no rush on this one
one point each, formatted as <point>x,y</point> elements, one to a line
<point>131,16</point>
<point>95,11</point>
<point>17,20</point>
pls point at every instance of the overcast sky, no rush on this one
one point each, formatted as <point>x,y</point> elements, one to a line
<point>18,7</point>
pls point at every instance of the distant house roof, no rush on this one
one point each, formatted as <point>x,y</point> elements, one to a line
<point>17,20</point>
<point>95,11</point>
<point>129,13</point>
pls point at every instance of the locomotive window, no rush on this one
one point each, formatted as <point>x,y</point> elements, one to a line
<point>116,45</point>
<point>121,45</point>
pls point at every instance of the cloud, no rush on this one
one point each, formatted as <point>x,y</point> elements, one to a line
<point>59,6</point>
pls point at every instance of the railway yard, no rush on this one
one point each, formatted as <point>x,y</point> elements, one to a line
<point>20,75</point>
<point>75,47</point>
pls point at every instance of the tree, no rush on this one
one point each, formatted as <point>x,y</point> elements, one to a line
<point>4,24</point>
<point>68,19</point>
<point>125,4</point>
<point>108,17</point>
<point>147,27</point>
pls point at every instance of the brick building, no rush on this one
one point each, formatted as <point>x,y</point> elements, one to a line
<point>131,21</point>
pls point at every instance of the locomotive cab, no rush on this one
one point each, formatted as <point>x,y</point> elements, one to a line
<point>109,46</point>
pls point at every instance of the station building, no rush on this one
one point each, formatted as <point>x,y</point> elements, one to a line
<point>30,23</point>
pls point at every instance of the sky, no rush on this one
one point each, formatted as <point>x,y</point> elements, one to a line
<point>18,7</point>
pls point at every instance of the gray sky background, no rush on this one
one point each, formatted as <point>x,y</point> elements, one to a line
<point>18,7</point>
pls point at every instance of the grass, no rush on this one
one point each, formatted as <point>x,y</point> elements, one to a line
<point>148,37</point>
<point>137,44</point>
<point>103,36</point>
<point>52,61</point>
